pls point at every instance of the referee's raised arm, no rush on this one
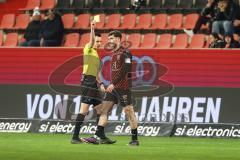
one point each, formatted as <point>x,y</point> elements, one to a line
<point>92,34</point>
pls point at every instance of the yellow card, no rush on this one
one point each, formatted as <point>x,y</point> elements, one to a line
<point>96,18</point>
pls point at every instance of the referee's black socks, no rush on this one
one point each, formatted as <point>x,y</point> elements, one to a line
<point>78,125</point>
<point>100,132</point>
<point>134,134</point>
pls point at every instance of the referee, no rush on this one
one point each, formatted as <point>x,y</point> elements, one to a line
<point>89,82</point>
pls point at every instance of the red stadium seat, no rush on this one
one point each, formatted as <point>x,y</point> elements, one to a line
<point>145,21</point>
<point>72,40</point>
<point>114,21</point>
<point>1,38</point>
<point>129,21</point>
<point>8,21</point>
<point>47,4</point>
<point>83,21</point>
<point>181,41</point>
<point>100,25</point>
<point>84,39</point>
<point>68,20</point>
<point>175,21</point>
<point>11,40</point>
<point>159,22</point>
<point>22,21</point>
<point>198,41</point>
<point>135,39</point>
<point>149,41</point>
<point>165,41</point>
<point>31,4</point>
<point>190,21</point>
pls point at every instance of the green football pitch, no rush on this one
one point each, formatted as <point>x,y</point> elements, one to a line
<point>58,147</point>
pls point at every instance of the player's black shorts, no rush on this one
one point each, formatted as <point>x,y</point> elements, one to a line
<point>121,96</point>
<point>90,93</point>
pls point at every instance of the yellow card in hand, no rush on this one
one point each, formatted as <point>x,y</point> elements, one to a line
<point>97,18</point>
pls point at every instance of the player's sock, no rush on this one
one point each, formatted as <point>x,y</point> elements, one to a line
<point>134,134</point>
<point>79,122</point>
<point>97,119</point>
<point>100,132</point>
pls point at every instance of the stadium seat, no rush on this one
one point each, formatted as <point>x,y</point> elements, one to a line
<point>165,41</point>
<point>1,38</point>
<point>47,4</point>
<point>94,4</point>
<point>11,40</point>
<point>22,21</point>
<point>8,21</point>
<point>159,22</point>
<point>72,40</point>
<point>78,4</point>
<point>200,4</point>
<point>149,41</point>
<point>134,39</point>
<point>185,4</point>
<point>68,20</point>
<point>123,4</point>
<point>100,25</point>
<point>31,4</point>
<point>129,21</point>
<point>114,21</point>
<point>63,4</point>
<point>108,4</point>
<point>170,4</point>
<point>175,21</point>
<point>181,41</point>
<point>198,41</point>
<point>145,21</point>
<point>154,4</point>
<point>190,21</point>
<point>84,39</point>
<point>83,21</point>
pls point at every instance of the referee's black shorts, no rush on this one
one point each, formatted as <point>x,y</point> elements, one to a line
<point>90,93</point>
<point>121,96</point>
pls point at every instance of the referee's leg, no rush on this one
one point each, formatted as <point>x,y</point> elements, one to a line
<point>79,121</point>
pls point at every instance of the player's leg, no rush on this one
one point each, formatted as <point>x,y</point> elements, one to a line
<point>107,106</point>
<point>130,114</point>
<point>79,121</point>
<point>126,101</point>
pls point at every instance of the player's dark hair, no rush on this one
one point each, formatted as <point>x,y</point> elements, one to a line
<point>97,34</point>
<point>116,33</point>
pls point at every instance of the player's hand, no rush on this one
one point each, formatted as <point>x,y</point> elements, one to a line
<point>110,88</point>
<point>102,88</point>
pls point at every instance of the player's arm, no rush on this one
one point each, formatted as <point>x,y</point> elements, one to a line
<point>100,83</point>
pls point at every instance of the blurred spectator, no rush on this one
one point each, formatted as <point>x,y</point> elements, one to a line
<point>230,42</point>
<point>224,14</point>
<point>236,22</point>
<point>33,29</point>
<point>205,18</point>
<point>137,4</point>
<point>52,31</point>
<point>216,41</point>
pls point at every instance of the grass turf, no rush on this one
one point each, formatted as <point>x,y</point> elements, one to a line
<point>57,146</point>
